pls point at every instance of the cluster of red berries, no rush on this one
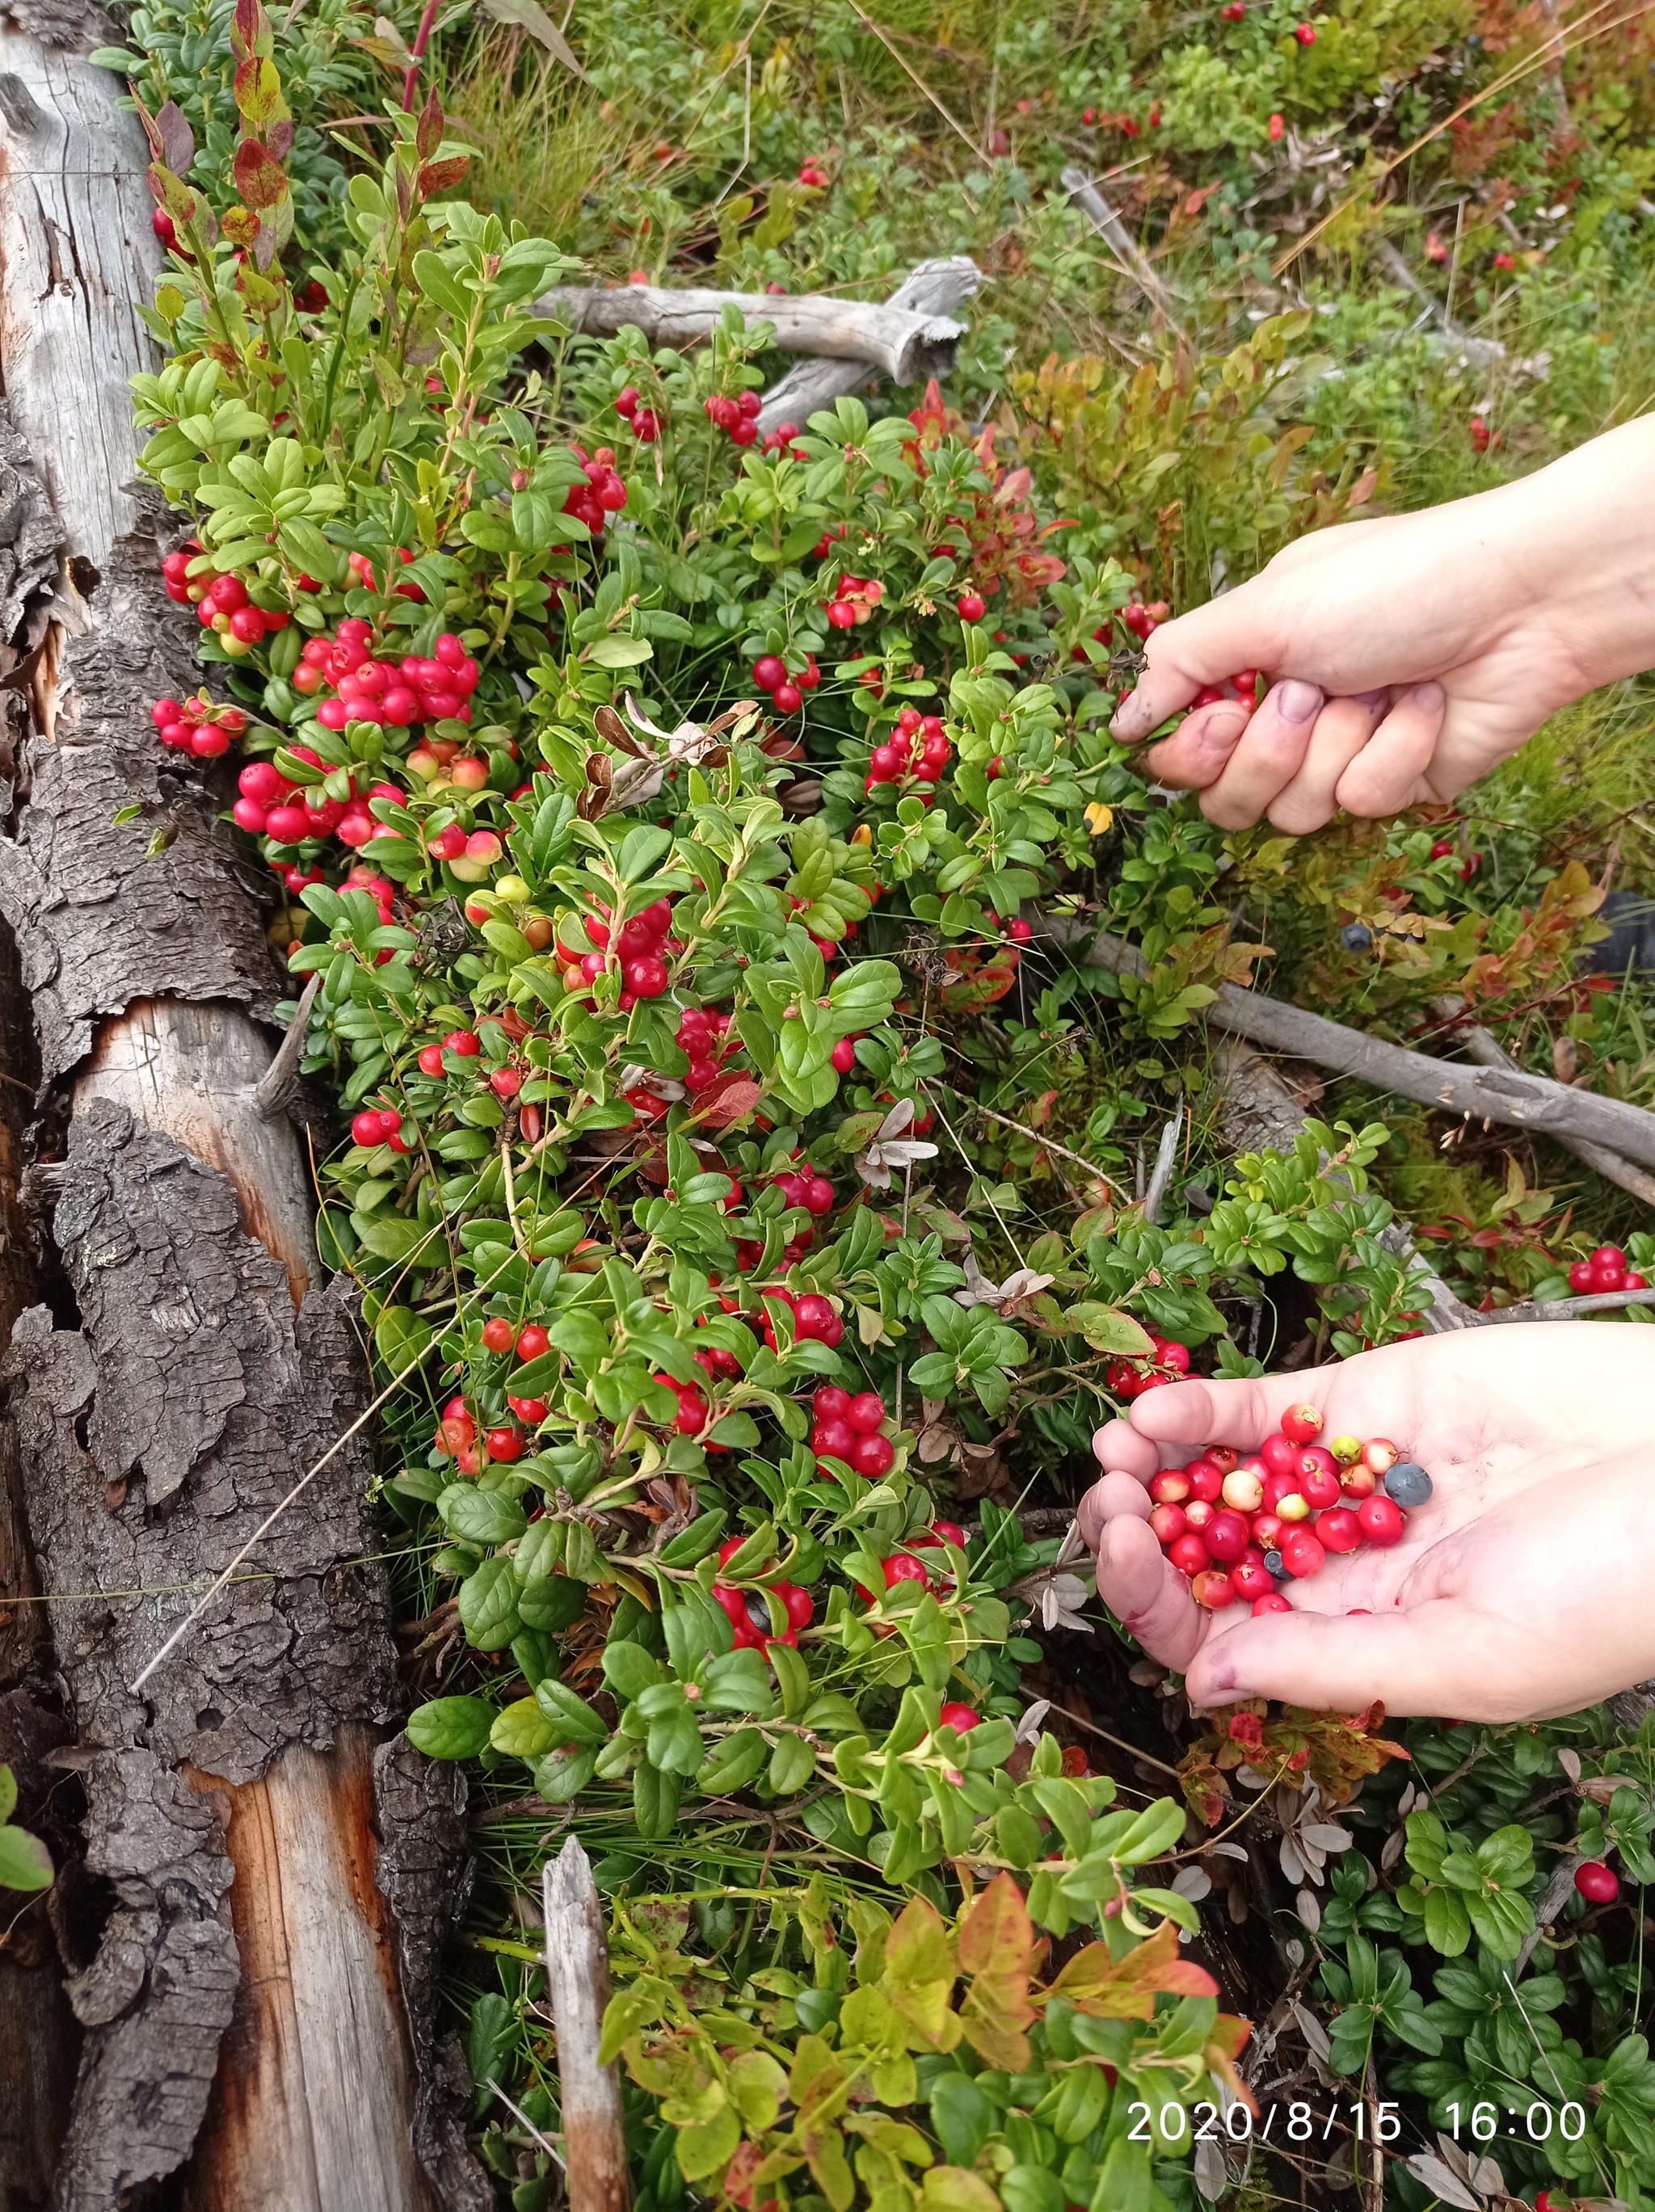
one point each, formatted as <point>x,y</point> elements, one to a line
<point>1445,850</point>
<point>457,1438</point>
<point>1167,1361</point>
<point>199,726</point>
<point>1306,34</point>
<point>1481,437</point>
<point>223,605</point>
<point>813,174</point>
<point>270,806</point>
<point>392,694</point>
<point>638,949</point>
<point>849,1429</point>
<point>705,1036</point>
<point>604,492</point>
<point>855,599</point>
<point>816,1321</point>
<point>1278,129</point>
<point>750,1616</point>
<point>903,1567</point>
<point>1236,1526</point>
<point>769,674</point>
<point>375,1126</point>
<point>918,747</point>
<point>646,423</point>
<point>1606,1270</point>
<point>737,415</point>
<point>1140,620</point>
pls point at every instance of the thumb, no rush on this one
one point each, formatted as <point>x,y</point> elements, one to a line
<point>1203,646</point>
<point>1434,1657</point>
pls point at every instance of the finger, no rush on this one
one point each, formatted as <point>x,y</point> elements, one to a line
<point>1117,1444</point>
<point>1147,1594</point>
<point>1343,1663</point>
<point>1198,751</point>
<point>1117,1497</point>
<point>1269,754</point>
<point>1342,728</point>
<point>1385,774</point>
<point>1242,1413</point>
<point>1239,629</point>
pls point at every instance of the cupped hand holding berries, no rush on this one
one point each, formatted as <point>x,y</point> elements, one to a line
<point>1520,1590</point>
<point>1410,655</point>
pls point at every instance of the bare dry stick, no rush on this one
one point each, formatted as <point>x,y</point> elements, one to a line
<point>1492,1094</point>
<point>1129,255</point>
<point>577,1988</point>
<point>933,288</point>
<point>903,346</point>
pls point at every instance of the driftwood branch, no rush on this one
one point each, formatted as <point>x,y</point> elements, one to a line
<point>577,1988</point>
<point>901,344</point>
<point>1487,1050</point>
<point>1129,254</point>
<point>1492,1094</point>
<point>934,289</point>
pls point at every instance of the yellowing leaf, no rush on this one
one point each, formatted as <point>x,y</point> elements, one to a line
<point>1126,1989</point>
<point>957,2189</point>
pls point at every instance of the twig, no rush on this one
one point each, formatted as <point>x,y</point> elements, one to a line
<point>275,1088</point>
<point>1166,1159</point>
<point>934,288</point>
<point>577,1988</point>
<point>1128,255</point>
<point>1047,1143</point>
<point>957,130</point>
<point>1490,1093</point>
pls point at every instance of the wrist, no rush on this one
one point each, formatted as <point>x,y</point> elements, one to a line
<point>1576,540</point>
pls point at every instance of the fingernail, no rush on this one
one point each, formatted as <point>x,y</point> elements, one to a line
<point>1296,701</point>
<point>1429,698</point>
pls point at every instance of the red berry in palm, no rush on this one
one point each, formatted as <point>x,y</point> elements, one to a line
<point>1168,1522</point>
<point>1252,1579</point>
<point>1189,1554</point>
<point>1205,1481</point>
<point>1596,1882</point>
<point>1170,1487</point>
<point>1213,1590</point>
<point>1302,1424</point>
<point>1279,1455</point>
<point>1302,1555</point>
<point>1272,1603</point>
<point>1339,1530</point>
<point>1227,1536</point>
<point>960,1718</point>
<point>1381,1520</point>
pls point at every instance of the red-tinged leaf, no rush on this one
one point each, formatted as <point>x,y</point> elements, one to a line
<point>258,91</point>
<point>443,176</point>
<point>241,226</point>
<point>731,1099</point>
<point>1126,1989</point>
<point>177,139</point>
<point>428,131</point>
<point>170,192</point>
<point>259,178</point>
<point>259,292</point>
<point>1040,1112</point>
<point>279,136</point>
<point>250,32</point>
<point>1229,2036</point>
<point>996,1935</point>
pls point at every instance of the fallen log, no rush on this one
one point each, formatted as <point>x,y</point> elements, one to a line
<point>257,2012</point>
<point>1492,1094</point>
<point>899,342</point>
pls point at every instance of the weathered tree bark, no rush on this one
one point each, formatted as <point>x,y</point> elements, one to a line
<point>934,288</point>
<point>257,2012</point>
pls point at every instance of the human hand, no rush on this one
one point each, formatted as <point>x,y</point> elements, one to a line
<point>1413,652</point>
<point>1522,1589</point>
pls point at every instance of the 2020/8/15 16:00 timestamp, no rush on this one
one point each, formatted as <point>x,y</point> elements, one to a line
<point>1174,2123</point>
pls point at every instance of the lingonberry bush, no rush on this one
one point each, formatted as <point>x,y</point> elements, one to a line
<point>741,1181</point>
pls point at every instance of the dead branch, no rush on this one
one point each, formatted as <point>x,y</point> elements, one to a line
<point>933,288</point>
<point>901,344</point>
<point>577,1988</point>
<point>1129,255</point>
<point>1485,1094</point>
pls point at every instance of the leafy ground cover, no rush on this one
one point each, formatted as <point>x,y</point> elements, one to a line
<point>749,1201</point>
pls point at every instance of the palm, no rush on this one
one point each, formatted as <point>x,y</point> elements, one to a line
<point>1520,1590</point>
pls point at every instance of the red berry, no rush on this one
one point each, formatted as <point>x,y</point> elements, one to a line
<point>788,698</point>
<point>1253,1580</point>
<point>1274,1603</point>
<point>1301,1555</point>
<point>1171,1487</point>
<point>626,401</point>
<point>1227,1536</point>
<point>960,1718</point>
<point>841,614</point>
<point>830,1403</point>
<point>1580,1277</point>
<point>1339,1530</point>
<point>1213,1590</point>
<point>532,1342</point>
<point>872,1456</point>
<point>866,1413</point>
<point>162,224</point>
<point>498,1334</point>
<point>1381,1519</point>
<point>903,1567</point>
<point>814,1316</point>
<point>1610,1255</point>
<point>1302,1424</point>
<point>769,670</point>
<point>431,1060</point>
<point>844,1057</point>
<point>1189,1554</point>
<point>834,1438</point>
<point>970,607</point>
<point>505,1444</point>
<point>1596,1882</point>
<point>1278,130</point>
<point>366,1128</point>
<point>1634,1281</point>
<point>1280,1455</point>
<point>1305,34</point>
<point>530,1410</point>
<point>646,976</point>
<point>1206,1483</point>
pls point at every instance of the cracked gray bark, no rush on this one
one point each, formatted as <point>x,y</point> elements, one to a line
<point>255,2003</point>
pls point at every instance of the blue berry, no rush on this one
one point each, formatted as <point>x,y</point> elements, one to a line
<point>1408,1484</point>
<point>1273,1562</point>
<point>1356,937</point>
